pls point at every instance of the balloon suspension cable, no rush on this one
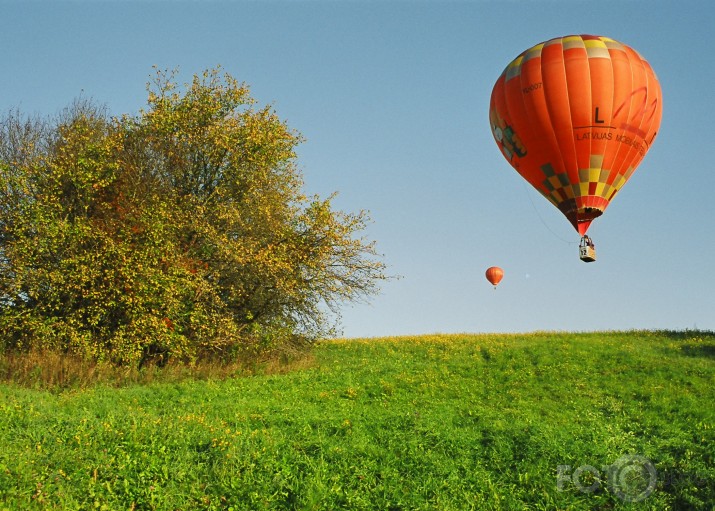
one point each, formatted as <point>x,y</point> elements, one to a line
<point>526,190</point>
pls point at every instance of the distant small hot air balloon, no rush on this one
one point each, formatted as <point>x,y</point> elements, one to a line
<point>574,116</point>
<point>494,275</point>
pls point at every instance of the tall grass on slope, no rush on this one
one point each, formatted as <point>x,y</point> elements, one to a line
<point>57,371</point>
<point>484,422</point>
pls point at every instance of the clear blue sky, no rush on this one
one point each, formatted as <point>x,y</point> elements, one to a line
<point>393,99</point>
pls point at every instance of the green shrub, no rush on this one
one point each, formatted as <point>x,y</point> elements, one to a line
<point>174,233</point>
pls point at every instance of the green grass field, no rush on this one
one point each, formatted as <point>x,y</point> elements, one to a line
<point>544,421</point>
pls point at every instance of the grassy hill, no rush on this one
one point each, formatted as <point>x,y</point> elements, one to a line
<point>543,421</point>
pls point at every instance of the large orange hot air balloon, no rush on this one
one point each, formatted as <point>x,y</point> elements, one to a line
<point>494,275</point>
<point>575,116</point>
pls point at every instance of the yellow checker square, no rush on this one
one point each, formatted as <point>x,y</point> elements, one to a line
<point>619,182</point>
<point>595,43</point>
<point>572,42</point>
<point>592,174</point>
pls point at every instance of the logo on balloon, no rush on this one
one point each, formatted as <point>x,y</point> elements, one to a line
<point>510,143</point>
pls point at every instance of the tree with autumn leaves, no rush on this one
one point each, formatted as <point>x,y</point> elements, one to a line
<point>179,232</point>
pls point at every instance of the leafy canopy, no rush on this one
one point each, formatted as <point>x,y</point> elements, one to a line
<point>178,232</point>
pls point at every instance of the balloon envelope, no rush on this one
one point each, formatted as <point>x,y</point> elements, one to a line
<point>575,116</point>
<point>494,275</point>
